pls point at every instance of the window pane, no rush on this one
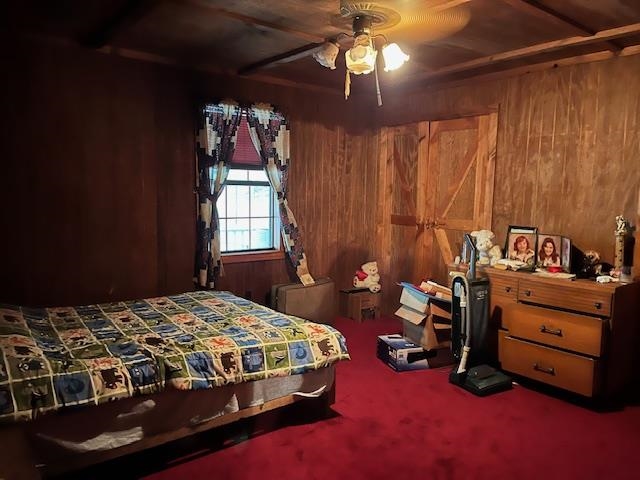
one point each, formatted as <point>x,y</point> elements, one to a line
<point>237,235</point>
<point>258,176</point>
<point>246,213</point>
<point>261,236</point>
<point>236,174</point>
<point>237,201</point>
<point>222,203</point>
<point>223,235</point>
<point>261,198</point>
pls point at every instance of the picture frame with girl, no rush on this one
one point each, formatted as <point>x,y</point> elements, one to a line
<point>554,251</point>
<point>549,250</point>
<point>521,245</point>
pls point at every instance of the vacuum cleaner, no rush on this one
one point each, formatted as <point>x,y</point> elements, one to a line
<point>469,332</point>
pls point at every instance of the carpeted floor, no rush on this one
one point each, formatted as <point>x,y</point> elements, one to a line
<point>411,425</point>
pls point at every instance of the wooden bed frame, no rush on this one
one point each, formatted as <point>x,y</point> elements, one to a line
<point>19,459</point>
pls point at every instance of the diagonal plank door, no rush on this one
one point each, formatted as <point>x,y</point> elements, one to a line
<point>460,181</point>
<point>436,182</point>
<point>404,157</point>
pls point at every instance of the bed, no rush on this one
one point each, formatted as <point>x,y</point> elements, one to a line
<point>79,385</point>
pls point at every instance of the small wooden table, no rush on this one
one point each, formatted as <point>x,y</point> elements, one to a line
<point>359,304</point>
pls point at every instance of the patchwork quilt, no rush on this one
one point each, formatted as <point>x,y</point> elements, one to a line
<point>54,358</point>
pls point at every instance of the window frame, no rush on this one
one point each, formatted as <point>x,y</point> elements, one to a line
<point>257,255</point>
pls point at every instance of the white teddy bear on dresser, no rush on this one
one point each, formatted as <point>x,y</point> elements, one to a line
<point>488,253</point>
<point>368,277</point>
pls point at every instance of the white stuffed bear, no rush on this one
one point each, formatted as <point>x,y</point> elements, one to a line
<point>488,253</point>
<point>368,277</point>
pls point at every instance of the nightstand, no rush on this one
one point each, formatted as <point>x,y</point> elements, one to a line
<point>359,304</point>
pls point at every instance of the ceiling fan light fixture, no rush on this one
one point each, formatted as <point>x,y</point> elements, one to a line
<point>361,58</point>
<point>393,56</point>
<point>326,55</point>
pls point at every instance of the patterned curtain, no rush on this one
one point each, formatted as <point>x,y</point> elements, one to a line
<point>215,143</point>
<point>270,135</point>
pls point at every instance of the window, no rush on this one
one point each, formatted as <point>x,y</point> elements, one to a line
<point>247,206</point>
<point>248,212</point>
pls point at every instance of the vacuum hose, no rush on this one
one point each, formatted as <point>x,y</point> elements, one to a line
<point>465,315</point>
<point>464,320</point>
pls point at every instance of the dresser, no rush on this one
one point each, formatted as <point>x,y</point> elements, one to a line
<point>576,335</point>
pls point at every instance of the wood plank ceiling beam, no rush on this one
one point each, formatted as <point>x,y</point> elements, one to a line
<point>599,37</point>
<point>208,7</point>
<point>547,14</point>
<point>125,17</point>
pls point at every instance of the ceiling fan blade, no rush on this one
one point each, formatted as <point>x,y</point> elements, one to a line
<point>343,41</point>
<point>432,25</point>
<point>417,20</point>
<point>290,56</point>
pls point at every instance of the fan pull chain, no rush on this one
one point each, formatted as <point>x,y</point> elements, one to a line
<point>347,85</point>
<point>379,95</point>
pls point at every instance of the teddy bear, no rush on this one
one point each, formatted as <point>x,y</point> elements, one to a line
<point>368,277</point>
<point>488,253</point>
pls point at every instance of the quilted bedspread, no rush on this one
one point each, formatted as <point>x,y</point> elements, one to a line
<point>52,358</point>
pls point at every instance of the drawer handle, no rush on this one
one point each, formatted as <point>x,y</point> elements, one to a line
<point>551,331</point>
<point>507,289</point>
<point>598,305</point>
<point>527,293</point>
<point>548,371</point>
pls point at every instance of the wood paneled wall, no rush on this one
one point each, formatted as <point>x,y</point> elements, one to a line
<point>333,188</point>
<point>97,160</point>
<point>97,167</point>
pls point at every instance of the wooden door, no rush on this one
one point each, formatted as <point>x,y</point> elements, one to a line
<point>436,183</point>
<point>403,153</point>
<point>459,183</point>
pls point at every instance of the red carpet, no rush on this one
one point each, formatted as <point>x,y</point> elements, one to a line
<point>415,425</point>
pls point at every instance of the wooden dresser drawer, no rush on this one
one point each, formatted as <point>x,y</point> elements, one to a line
<point>554,367</point>
<point>565,295</point>
<point>506,287</point>
<point>578,333</point>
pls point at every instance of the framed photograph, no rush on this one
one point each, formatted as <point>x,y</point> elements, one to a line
<point>565,256</point>
<point>521,245</point>
<point>549,250</point>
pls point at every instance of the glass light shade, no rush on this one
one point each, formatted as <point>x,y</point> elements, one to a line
<point>326,55</point>
<point>361,58</point>
<point>394,57</point>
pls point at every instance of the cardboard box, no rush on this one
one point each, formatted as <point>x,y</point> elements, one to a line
<point>413,332</point>
<point>401,354</point>
<point>411,315</point>
<point>440,309</point>
<point>414,298</point>
<point>427,334</point>
<point>442,357</point>
<point>436,357</point>
<point>358,304</point>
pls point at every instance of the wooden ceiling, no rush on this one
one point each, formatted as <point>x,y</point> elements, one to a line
<point>448,40</point>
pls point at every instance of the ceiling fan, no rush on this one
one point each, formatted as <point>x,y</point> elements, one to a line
<point>417,21</point>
